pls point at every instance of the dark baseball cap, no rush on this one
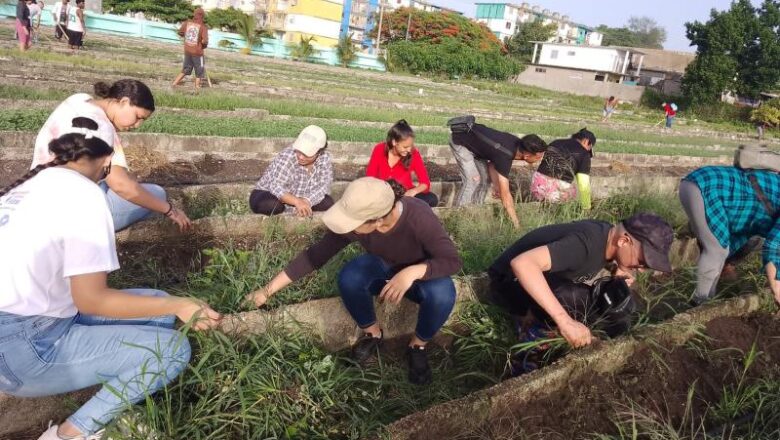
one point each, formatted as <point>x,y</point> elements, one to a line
<point>656,236</point>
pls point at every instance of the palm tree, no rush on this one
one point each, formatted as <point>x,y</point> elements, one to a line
<point>346,50</point>
<point>246,26</point>
<point>304,50</point>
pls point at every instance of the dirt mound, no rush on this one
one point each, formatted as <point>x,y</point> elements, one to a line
<point>656,380</point>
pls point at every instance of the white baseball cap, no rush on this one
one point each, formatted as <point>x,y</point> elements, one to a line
<point>367,198</point>
<point>311,140</point>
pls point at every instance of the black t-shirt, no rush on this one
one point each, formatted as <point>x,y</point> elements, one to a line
<point>577,250</point>
<point>501,158</point>
<point>564,159</point>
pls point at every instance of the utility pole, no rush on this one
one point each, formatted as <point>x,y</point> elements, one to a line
<point>409,22</point>
<point>379,32</point>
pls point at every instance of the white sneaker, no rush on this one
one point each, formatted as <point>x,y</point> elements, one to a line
<point>51,434</point>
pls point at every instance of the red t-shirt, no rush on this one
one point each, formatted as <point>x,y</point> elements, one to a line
<point>669,110</point>
<point>379,167</point>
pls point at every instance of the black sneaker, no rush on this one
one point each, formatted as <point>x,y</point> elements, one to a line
<point>366,347</point>
<point>419,370</point>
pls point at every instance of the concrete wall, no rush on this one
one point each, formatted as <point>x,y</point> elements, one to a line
<point>577,82</point>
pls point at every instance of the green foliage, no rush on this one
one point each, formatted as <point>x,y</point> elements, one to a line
<point>246,27</point>
<point>520,44</point>
<point>346,50</point>
<point>304,50</point>
<point>226,44</point>
<point>768,113</point>
<point>169,11</point>
<point>639,32</point>
<point>225,19</point>
<point>435,27</point>
<point>451,58</point>
<point>737,50</point>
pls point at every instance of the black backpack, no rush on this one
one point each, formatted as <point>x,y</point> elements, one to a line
<point>468,124</point>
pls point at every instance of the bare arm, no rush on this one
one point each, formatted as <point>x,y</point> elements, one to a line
<point>263,294</point>
<point>126,187</point>
<point>529,268</point>
<point>774,284</point>
<point>502,183</point>
<point>92,296</point>
<point>421,188</point>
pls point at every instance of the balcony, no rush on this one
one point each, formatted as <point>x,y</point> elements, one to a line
<point>277,20</point>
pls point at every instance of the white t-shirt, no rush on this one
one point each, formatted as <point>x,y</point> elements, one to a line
<point>61,121</point>
<point>57,10</point>
<point>52,227</point>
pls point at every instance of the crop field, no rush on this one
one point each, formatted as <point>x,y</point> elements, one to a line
<point>721,382</point>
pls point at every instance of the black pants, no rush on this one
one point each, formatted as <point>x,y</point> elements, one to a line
<point>263,202</point>
<point>430,198</point>
<point>58,31</point>
<point>575,298</point>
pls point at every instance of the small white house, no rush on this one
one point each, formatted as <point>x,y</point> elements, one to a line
<point>611,64</point>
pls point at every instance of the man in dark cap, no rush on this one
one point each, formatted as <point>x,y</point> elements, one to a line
<point>575,252</point>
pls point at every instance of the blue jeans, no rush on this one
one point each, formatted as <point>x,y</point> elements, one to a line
<point>363,278</point>
<point>126,213</point>
<point>669,121</point>
<point>43,356</point>
<point>474,175</point>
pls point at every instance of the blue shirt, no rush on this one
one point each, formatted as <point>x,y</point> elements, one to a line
<point>734,212</point>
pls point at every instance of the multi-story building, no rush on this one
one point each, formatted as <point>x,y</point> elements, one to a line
<point>247,6</point>
<point>503,20</point>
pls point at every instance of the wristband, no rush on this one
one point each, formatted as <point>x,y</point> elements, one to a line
<point>170,209</point>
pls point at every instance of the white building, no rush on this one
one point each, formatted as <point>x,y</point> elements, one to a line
<point>609,64</point>
<point>418,4</point>
<point>503,19</point>
<point>247,6</point>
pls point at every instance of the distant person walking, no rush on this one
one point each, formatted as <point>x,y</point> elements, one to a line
<point>23,26</point>
<point>196,39</point>
<point>609,107</point>
<point>36,11</point>
<point>670,111</point>
<point>60,16</point>
<point>77,27</point>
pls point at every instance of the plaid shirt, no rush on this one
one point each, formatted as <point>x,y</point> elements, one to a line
<point>734,212</point>
<point>285,176</point>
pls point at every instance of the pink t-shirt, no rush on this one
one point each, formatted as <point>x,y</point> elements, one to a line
<point>61,120</point>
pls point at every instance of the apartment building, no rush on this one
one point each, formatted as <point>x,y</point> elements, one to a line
<point>503,20</point>
<point>247,6</point>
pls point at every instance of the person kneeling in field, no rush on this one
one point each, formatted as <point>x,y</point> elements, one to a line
<point>575,252</point>
<point>62,328</point>
<point>298,179</point>
<point>565,161</point>
<point>727,207</point>
<point>408,254</point>
<point>485,157</point>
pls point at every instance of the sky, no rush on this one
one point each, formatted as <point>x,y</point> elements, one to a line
<point>671,14</point>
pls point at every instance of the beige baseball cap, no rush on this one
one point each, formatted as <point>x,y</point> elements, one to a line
<point>311,140</point>
<point>364,199</point>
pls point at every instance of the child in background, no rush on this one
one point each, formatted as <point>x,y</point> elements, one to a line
<point>670,111</point>
<point>609,107</point>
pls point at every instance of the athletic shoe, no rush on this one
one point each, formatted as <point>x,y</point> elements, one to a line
<point>51,434</point>
<point>419,369</point>
<point>366,347</point>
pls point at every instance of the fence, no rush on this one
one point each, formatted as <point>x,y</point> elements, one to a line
<point>165,32</point>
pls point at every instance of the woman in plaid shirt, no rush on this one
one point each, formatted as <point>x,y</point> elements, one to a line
<point>298,179</point>
<point>726,210</point>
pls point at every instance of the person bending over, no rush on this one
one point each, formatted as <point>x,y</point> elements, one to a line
<point>408,255</point>
<point>565,161</point>
<point>298,179</point>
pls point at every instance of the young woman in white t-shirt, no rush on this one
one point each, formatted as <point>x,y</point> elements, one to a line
<point>125,105</point>
<point>61,327</point>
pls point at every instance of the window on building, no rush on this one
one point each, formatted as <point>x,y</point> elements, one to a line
<point>599,78</point>
<point>554,55</point>
<point>571,53</point>
<point>509,25</point>
<point>541,70</point>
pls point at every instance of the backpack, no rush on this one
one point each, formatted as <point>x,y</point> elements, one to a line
<point>758,157</point>
<point>467,124</point>
<point>607,305</point>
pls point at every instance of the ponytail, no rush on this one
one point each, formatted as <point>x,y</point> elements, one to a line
<point>137,92</point>
<point>69,147</point>
<point>398,189</point>
<point>400,131</point>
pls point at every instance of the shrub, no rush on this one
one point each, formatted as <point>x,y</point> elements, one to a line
<point>225,19</point>
<point>768,113</point>
<point>346,50</point>
<point>304,50</point>
<point>246,26</point>
<point>451,58</point>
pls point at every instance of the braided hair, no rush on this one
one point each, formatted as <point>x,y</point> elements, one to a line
<point>68,148</point>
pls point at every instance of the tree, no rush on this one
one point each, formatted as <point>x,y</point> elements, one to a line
<point>737,50</point>
<point>520,44</point>
<point>768,113</point>
<point>246,27</point>
<point>169,11</point>
<point>346,50</point>
<point>639,32</point>
<point>435,27</point>
<point>304,50</point>
<point>225,19</point>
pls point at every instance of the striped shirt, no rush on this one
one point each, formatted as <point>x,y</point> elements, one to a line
<point>734,212</point>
